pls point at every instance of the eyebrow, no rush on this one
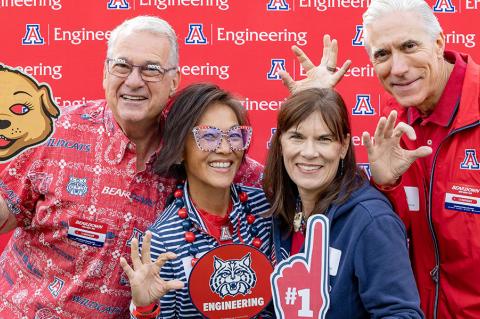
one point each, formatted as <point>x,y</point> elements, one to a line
<point>22,92</point>
<point>148,62</point>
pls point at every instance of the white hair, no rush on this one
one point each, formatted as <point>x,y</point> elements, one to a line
<point>380,8</point>
<point>151,24</point>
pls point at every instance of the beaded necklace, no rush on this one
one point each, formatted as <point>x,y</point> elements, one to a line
<point>190,229</point>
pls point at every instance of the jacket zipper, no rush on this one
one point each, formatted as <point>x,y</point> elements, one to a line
<point>435,272</point>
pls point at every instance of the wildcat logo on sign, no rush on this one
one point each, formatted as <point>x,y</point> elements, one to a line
<point>238,278</point>
<point>233,277</point>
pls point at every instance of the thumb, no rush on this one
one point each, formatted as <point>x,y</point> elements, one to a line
<point>173,285</point>
<point>422,151</point>
<point>287,80</point>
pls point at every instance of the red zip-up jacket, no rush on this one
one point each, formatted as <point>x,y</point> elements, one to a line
<point>443,217</point>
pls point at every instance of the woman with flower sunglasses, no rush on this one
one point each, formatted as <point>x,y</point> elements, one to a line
<point>205,139</point>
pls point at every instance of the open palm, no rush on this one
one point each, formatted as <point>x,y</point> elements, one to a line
<point>325,75</point>
<point>388,160</point>
<point>146,284</point>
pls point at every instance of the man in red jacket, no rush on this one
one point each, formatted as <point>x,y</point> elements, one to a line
<point>428,164</point>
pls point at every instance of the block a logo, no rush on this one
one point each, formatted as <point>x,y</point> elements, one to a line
<point>277,5</point>
<point>269,143</point>
<point>195,34</point>
<point>275,66</point>
<point>470,161</point>
<point>366,168</point>
<point>363,105</point>
<point>444,6</point>
<point>32,35</point>
<point>358,39</point>
<point>56,286</point>
<point>118,5</point>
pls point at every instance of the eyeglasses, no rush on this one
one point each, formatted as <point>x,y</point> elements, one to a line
<point>148,72</point>
<point>209,138</point>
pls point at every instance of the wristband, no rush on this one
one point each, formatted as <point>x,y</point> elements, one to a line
<point>150,311</point>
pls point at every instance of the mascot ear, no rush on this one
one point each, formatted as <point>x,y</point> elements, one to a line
<point>47,102</point>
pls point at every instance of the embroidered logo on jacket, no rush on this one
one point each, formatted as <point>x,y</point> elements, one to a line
<point>470,161</point>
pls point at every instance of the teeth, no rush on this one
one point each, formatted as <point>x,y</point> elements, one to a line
<point>131,97</point>
<point>220,164</point>
<point>4,138</point>
<point>309,167</point>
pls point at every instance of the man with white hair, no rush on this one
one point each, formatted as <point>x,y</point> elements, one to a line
<point>428,164</point>
<point>431,174</point>
<point>77,201</point>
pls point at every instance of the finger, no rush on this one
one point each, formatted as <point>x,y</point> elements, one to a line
<point>316,243</point>
<point>337,76</point>
<point>134,254</point>
<point>378,135</point>
<point>147,239</point>
<point>163,258</point>
<point>402,128</point>
<point>287,80</point>
<point>367,142</point>
<point>303,58</point>
<point>390,125</point>
<point>326,49</point>
<point>173,285</point>
<point>126,268</point>
<point>422,151</point>
<point>333,54</point>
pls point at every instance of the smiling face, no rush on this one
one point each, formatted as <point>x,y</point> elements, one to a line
<point>212,171</point>
<point>26,112</point>
<point>407,61</point>
<point>311,155</point>
<point>135,103</point>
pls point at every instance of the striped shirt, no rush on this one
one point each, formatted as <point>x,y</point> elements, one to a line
<point>168,235</point>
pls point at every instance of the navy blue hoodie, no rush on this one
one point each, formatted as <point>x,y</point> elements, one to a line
<point>370,274</point>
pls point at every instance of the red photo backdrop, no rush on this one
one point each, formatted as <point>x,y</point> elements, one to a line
<point>236,44</point>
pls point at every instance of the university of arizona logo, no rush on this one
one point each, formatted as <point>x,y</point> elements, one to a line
<point>77,186</point>
<point>366,168</point>
<point>470,161</point>
<point>444,6</point>
<point>269,143</point>
<point>275,66</point>
<point>32,35</point>
<point>137,233</point>
<point>358,39</point>
<point>233,277</point>
<point>56,286</point>
<point>195,34</point>
<point>363,105</point>
<point>277,5</point>
<point>118,5</point>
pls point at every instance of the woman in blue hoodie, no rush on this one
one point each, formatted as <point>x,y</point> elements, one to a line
<point>311,170</point>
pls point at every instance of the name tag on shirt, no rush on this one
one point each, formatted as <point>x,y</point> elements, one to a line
<point>87,232</point>
<point>463,198</point>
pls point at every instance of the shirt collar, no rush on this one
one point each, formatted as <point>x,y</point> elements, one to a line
<point>444,111</point>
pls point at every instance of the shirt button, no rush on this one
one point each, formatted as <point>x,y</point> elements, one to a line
<point>429,142</point>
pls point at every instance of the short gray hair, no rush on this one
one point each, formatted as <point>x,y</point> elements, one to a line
<point>151,24</point>
<point>379,8</point>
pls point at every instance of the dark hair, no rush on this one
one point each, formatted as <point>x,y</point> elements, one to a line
<point>279,188</point>
<point>186,108</point>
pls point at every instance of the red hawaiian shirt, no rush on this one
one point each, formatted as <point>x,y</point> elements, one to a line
<point>79,201</point>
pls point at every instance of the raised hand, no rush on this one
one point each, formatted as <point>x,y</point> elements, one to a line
<point>388,160</point>
<point>325,75</point>
<point>145,282</point>
<point>300,283</point>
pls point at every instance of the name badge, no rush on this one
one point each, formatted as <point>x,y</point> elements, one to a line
<point>87,232</point>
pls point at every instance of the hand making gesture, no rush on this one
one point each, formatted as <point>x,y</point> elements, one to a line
<point>388,160</point>
<point>145,282</point>
<point>325,75</point>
